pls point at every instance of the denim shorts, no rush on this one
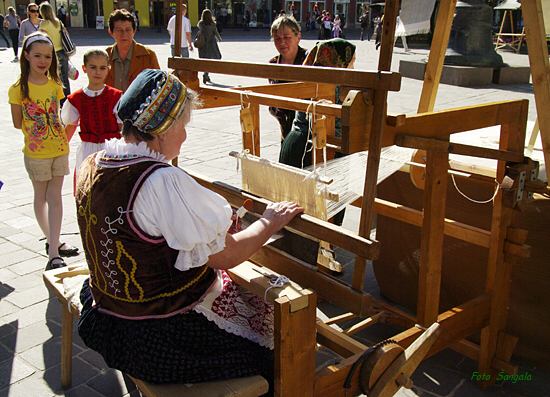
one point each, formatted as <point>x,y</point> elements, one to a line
<point>42,170</point>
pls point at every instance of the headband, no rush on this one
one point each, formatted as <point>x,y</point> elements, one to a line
<point>37,37</point>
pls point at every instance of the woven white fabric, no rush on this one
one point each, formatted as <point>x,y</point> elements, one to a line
<point>414,17</point>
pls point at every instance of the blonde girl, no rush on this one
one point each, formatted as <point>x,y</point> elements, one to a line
<point>34,100</point>
<point>52,26</point>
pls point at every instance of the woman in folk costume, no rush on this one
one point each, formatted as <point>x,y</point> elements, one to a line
<point>159,305</point>
<point>335,53</point>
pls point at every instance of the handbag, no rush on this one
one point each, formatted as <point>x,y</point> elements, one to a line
<point>199,41</point>
<point>73,71</point>
<point>66,42</point>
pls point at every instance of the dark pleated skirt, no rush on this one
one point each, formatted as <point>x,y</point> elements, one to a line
<point>185,348</point>
<point>295,149</point>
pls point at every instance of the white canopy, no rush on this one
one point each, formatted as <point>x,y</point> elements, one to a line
<point>508,5</point>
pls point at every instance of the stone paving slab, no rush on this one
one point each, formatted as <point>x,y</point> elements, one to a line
<point>30,318</point>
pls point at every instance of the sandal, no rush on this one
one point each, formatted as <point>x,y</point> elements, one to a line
<point>58,265</point>
<point>69,251</point>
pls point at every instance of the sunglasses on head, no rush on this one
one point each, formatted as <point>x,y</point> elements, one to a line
<point>33,11</point>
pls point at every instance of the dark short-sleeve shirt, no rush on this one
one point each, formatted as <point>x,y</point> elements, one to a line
<point>285,116</point>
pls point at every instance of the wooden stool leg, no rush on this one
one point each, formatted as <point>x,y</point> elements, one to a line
<point>66,346</point>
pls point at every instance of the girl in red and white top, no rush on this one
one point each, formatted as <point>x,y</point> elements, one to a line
<point>92,106</point>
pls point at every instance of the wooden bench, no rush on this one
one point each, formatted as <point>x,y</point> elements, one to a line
<point>241,387</point>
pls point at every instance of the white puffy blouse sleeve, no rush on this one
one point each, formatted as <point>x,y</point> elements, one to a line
<point>192,219</point>
<point>69,114</point>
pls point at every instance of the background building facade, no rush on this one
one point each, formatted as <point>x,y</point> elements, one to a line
<point>228,13</point>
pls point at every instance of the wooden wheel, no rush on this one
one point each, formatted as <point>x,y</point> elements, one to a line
<point>418,174</point>
<point>389,367</point>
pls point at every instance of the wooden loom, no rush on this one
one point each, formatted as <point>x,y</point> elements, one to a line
<point>365,125</point>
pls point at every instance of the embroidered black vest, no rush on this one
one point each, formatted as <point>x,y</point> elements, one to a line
<point>132,274</point>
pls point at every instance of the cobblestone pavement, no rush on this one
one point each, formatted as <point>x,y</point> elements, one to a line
<point>30,316</point>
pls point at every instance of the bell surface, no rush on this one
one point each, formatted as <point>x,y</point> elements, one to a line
<point>471,38</point>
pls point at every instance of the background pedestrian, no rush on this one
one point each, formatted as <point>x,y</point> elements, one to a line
<point>31,24</point>
<point>127,58</point>
<point>12,22</point>
<point>210,50</point>
<point>327,26</point>
<point>52,26</point>
<point>186,43</point>
<point>337,26</point>
<point>8,45</point>
<point>62,14</point>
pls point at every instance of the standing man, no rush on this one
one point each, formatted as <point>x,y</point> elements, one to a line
<point>186,43</point>
<point>127,58</point>
<point>365,22</point>
<point>135,15</point>
<point>62,14</point>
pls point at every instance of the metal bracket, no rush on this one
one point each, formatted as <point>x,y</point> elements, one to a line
<point>533,178</point>
<point>521,185</point>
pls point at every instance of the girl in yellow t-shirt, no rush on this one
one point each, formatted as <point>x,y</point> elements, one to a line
<point>34,100</point>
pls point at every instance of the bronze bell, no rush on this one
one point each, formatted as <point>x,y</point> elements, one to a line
<point>471,38</point>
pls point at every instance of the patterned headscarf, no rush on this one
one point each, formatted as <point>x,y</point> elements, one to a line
<point>335,53</point>
<point>153,101</point>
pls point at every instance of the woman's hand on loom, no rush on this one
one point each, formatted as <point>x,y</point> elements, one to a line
<point>242,245</point>
<point>280,214</point>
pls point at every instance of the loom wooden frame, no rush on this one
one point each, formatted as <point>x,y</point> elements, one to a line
<point>366,125</point>
<point>458,323</point>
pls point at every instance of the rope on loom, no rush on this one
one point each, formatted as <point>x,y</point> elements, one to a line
<point>240,155</point>
<point>471,199</point>
<point>309,134</point>
<point>276,283</point>
<point>246,92</point>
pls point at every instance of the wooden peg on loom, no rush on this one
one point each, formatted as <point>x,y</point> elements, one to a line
<point>319,133</point>
<point>247,122</point>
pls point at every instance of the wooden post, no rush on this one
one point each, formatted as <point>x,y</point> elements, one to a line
<point>391,10</point>
<point>538,60</point>
<point>521,38</point>
<point>177,32</point>
<point>371,178</point>
<point>434,67</point>
<point>378,119</point>
<point>66,346</point>
<point>295,348</point>
<point>437,55</point>
<point>501,29</point>
<point>431,251</point>
<point>499,268</point>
